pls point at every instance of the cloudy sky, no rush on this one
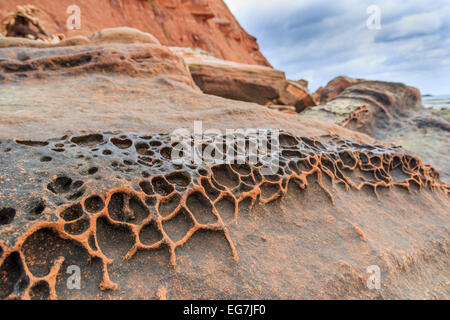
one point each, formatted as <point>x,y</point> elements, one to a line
<point>320,39</point>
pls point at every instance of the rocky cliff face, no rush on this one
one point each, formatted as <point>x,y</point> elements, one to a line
<point>205,24</point>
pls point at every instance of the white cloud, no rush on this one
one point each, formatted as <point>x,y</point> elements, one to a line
<point>412,25</point>
<point>320,39</point>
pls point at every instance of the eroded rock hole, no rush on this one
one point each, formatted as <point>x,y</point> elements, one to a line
<point>94,204</point>
<point>166,152</point>
<point>150,201</point>
<point>114,241</point>
<point>31,143</point>
<point>77,184</point>
<point>303,165</point>
<point>116,207</point>
<point>127,208</point>
<point>225,176</point>
<point>181,179</point>
<point>226,208</point>
<point>60,185</point>
<point>150,234</point>
<point>72,213</point>
<point>242,169</point>
<point>92,170</point>
<point>88,140</point>
<point>167,206</point>
<point>45,246</point>
<point>201,208</point>
<point>138,209</point>
<point>91,242</point>
<point>287,140</point>
<point>77,227</point>
<point>291,154</point>
<point>76,195</point>
<point>40,291</point>
<point>161,186</point>
<point>36,207</point>
<point>146,187</point>
<point>45,159</point>
<point>269,190</point>
<point>347,158</point>
<point>245,205</point>
<point>121,143</point>
<point>143,149</point>
<point>211,192</point>
<point>7,215</point>
<point>155,143</point>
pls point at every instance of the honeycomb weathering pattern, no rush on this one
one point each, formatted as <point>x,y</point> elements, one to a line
<point>151,202</point>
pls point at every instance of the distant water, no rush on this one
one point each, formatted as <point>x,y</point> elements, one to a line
<point>436,102</point>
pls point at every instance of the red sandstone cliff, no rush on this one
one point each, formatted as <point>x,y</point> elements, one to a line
<point>205,24</point>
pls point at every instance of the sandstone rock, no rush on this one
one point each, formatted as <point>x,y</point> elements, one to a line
<point>122,35</point>
<point>184,23</point>
<point>335,87</point>
<point>87,179</point>
<point>303,83</point>
<point>262,85</point>
<point>391,112</point>
<point>296,95</point>
<point>134,60</point>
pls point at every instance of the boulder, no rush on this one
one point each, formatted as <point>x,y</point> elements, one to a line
<point>303,83</point>
<point>391,112</point>
<point>335,87</point>
<point>296,95</point>
<point>250,83</point>
<point>366,106</point>
<point>317,94</point>
<point>122,35</point>
<point>109,35</point>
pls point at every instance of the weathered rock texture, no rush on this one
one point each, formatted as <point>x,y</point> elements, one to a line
<point>86,179</point>
<point>244,82</point>
<point>205,24</point>
<point>24,23</point>
<point>334,88</point>
<point>137,60</point>
<point>391,112</point>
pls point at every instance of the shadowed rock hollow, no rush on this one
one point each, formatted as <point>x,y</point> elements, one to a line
<point>87,180</point>
<point>390,112</point>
